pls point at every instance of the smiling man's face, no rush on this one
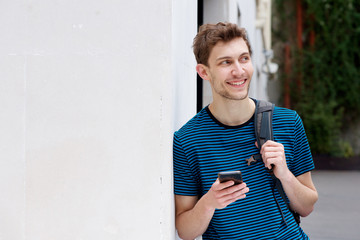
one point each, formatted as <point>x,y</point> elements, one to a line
<point>230,70</point>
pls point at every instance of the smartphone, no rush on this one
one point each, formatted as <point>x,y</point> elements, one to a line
<point>230,175</point>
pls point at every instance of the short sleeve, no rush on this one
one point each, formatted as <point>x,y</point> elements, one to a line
<point>184,181</point>
<point>303,161</point>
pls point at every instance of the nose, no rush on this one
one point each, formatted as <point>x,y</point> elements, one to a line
<point>238,69</point>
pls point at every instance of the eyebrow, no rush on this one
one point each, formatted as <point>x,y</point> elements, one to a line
<point>227,57</point>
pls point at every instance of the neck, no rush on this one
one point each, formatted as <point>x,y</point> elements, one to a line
<point>233,112</point>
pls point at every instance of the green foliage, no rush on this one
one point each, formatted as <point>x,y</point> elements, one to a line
<point>322,125</point>
<point>326,73</point>
<point>345,150</point>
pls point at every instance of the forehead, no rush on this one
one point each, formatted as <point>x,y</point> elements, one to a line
<point>233,48</point>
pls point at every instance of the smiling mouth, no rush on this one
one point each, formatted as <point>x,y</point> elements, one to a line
<point>237,83</point>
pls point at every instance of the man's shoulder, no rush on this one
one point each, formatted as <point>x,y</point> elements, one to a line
<point>199,121</point>
<point>286,119</point>
<point>278,111</point>
<point>281,112</point>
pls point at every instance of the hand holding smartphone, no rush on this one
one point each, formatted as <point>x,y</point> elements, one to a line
<point>230,175</point>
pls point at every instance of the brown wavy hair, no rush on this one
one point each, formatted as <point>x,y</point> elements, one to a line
<point>210,34</point>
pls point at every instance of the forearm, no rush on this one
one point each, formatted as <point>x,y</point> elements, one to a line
<point>301,192</point>
<point>193,215</point>
<point>194,222</point>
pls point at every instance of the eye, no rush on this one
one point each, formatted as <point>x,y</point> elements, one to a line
<point>225,62</point>
<point>244,58</point>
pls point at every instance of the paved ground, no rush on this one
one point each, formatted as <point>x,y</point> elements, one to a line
<point>337,213</point>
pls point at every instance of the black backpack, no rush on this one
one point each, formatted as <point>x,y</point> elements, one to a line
<point>264,131</point>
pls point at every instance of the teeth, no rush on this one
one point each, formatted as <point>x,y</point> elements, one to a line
<point>238,83</point>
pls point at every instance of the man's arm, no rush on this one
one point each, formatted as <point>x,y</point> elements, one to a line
<point>193,215</point>
<point>300,190</point>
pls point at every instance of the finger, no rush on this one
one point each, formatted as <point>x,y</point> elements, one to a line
<point>237,194</point>
<point>269,155</point>
<point>237,187</point>
<point>271,163</point>
<point>265,161</point>
<point>271,148</point>
<point>234,189</point>
<point>279,150</point>
<point>273,145</point>
<point>242,193</point>
<point>220,186</point>
<point>265,146</point>
<point>270,167</point>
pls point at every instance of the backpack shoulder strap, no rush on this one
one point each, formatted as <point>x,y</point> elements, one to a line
<point>264,131</point>
<point>263,122</point>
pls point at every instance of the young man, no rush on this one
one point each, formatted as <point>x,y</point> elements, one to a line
<point>221,137</point>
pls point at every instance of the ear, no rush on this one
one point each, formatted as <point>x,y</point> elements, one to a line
<point>202,70</point>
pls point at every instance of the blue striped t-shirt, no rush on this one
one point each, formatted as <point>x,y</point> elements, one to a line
<point>204,146</point>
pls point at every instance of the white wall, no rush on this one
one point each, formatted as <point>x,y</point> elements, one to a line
<point>87,114</point>
<point>184,73</point>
